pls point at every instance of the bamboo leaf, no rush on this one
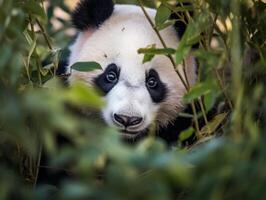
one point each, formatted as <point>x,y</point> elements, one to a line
<point>154,51</point>
<point>181,52</point>
<point>86,66</point>
<point>81,94</point>
<point>163,14</point>
<point>184,135</point>
<point>147,58</point>
<point>213,124</point>
<point>35,9</point>
<point>165,25</point>
<point>150,52</point>
<point>197,91</point>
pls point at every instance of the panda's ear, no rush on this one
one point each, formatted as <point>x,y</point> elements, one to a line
<point>91,13</point>
<point>180,25</point>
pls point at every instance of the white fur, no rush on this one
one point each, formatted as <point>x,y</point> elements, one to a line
<point>117,41</point>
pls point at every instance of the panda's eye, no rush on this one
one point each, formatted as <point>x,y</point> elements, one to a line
<point>111,77</point>
<point>152,82</point>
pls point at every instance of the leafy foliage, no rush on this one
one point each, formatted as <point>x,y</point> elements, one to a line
<point>232,64</point>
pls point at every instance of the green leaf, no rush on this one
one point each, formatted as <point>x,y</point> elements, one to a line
<point>186,134</point>
<point>165,25</point>
<point>86,66</point>
<point>147,58</point>
<point>213,124</point>
<point>183,8</point>
<point>181,52</point>
<point>197,91</point>
<point>163,14</point>
<point>209,57</point>
<point>209,100</point>
<point>191,36</point>
<point>81,94</point>
<point>35,9</point>
<point>6,54</point>
<point>153,51</point>
<point>31,51</point>
<point>49,142</point>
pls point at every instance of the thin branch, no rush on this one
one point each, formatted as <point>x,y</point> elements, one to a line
<point>222,88</point>
<point>38,168</point>
<point>223,37</point>
<point>181,17</point>
<point>187,13</point>
<point>44,35</point>
<point>38,67</point>
<point>204,113</point>
<point>195,117</point>
<point>212,30</point>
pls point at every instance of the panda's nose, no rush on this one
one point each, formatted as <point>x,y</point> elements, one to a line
<point>127,121</point>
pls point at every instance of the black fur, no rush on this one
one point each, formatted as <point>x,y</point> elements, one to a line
<point>62,68</point>
<point>170,134</point>
<point>91,13</point>
<point>158,94</point>
<point>180,25</point>
<point>102,83</point>
<point>61,71</point>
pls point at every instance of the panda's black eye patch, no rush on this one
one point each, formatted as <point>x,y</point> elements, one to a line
<point>155,86</point>
<point>108,79</point>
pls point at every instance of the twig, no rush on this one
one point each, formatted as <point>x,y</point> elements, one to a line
<point>187,13</point>
<point>44,35</point>
<point>195,119</point>
<point>38,164</point>
<point>222,37</point>
<point>204,113</point>
<point>38,67</point>
<point>211,30</point>
<point>221,85</point>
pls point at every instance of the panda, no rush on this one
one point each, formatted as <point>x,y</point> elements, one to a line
<point>137,94</point>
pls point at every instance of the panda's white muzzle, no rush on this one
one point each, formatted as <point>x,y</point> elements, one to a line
<point>130,109</point>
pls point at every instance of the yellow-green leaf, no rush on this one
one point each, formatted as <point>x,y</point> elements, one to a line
<point>163,14</point>
<point>213,124</point>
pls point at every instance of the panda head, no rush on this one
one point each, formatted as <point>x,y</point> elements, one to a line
<point>136,94</point>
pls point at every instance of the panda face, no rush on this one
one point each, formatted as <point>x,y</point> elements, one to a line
<point>132,99</point>
<point>136,94</point>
